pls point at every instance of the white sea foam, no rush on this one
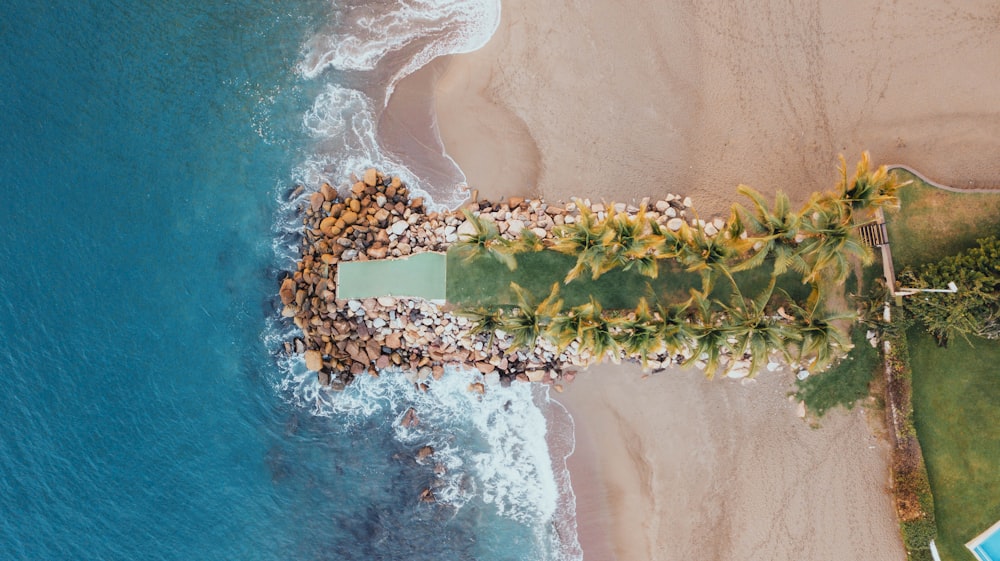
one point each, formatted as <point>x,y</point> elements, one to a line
<point>366,35</point>
<point>342,121</point>
<point>493,446</point>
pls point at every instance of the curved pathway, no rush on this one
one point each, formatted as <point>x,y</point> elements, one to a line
<point>933,183</point>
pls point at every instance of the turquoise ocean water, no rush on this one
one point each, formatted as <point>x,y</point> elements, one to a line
<point>145,413</point>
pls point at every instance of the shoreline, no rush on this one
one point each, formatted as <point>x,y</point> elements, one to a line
<point>600,100</point>
<point>636,100</point>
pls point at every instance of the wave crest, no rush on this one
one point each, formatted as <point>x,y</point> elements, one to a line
<point>450,27</point>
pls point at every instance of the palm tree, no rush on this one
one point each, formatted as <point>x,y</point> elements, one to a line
<point>485,319</point>
<point>667,244</point>
<point>830,239</point>
<point>629,244</point>
<point>673,329</point>
<point>526,322</point>
<point>586,238</point>
<point>522,323</point>
<point>485,241</point>
<point>772,233</point>
<point>638,334</point>
<point>867,189</point>
<point>708,255</point>
<point>755,332</point>
<point>708,336</point>
<point>564,328</point>
<point>527,242</point>
<point>821,337</point>
<point>596,332</point>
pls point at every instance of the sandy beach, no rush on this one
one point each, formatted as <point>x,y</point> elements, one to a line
<point>673,466</point>
<point>627,99</point>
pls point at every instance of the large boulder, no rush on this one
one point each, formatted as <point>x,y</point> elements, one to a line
<point>287,291</point>
<point>535,375</point>
<point>314,360</point>
<point>466,229</point>
<point>371,177</point>
<point>329,193</point>
<point>316,201</point>
<point>377,252</point>
<point>327,224</point>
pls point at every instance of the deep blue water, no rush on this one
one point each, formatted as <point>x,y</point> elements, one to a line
<point>137,206</point>
<point>144,147</point>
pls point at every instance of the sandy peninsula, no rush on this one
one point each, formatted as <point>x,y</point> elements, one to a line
<point>627,99</point>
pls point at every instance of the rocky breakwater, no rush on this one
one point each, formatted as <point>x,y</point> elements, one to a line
<point>545,362</point>
<point>378,219</point>
<point>375,219</point>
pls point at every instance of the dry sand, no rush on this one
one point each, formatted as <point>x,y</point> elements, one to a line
<point>626,99</point>
<point>676,467</point>
<point>630,98</point>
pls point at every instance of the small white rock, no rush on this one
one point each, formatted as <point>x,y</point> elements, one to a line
<point>398,228</point>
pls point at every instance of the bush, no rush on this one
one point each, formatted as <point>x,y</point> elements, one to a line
<point>972,311</point>
<point>911,487</point>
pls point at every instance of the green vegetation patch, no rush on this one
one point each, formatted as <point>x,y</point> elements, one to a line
<point>934,223</point>
<point>844,384</point>
<point>956,405</point>
<point>483,281</point>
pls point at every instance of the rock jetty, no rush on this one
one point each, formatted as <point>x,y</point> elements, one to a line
<point>378,218</point>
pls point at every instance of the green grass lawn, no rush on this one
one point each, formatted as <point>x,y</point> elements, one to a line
<point>956,406</point>
<point>934,223</point>
<point>844,384</point>
<point>956,391</point>
<point>485,281</point>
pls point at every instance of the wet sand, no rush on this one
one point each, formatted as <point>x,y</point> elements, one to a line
<point>627,99</point>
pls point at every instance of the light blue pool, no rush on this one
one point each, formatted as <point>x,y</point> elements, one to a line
<point>986,546</point>
<point>421,275</point>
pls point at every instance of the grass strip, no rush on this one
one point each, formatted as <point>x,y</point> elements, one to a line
<point>956,392</point>
<point>486,282</point>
